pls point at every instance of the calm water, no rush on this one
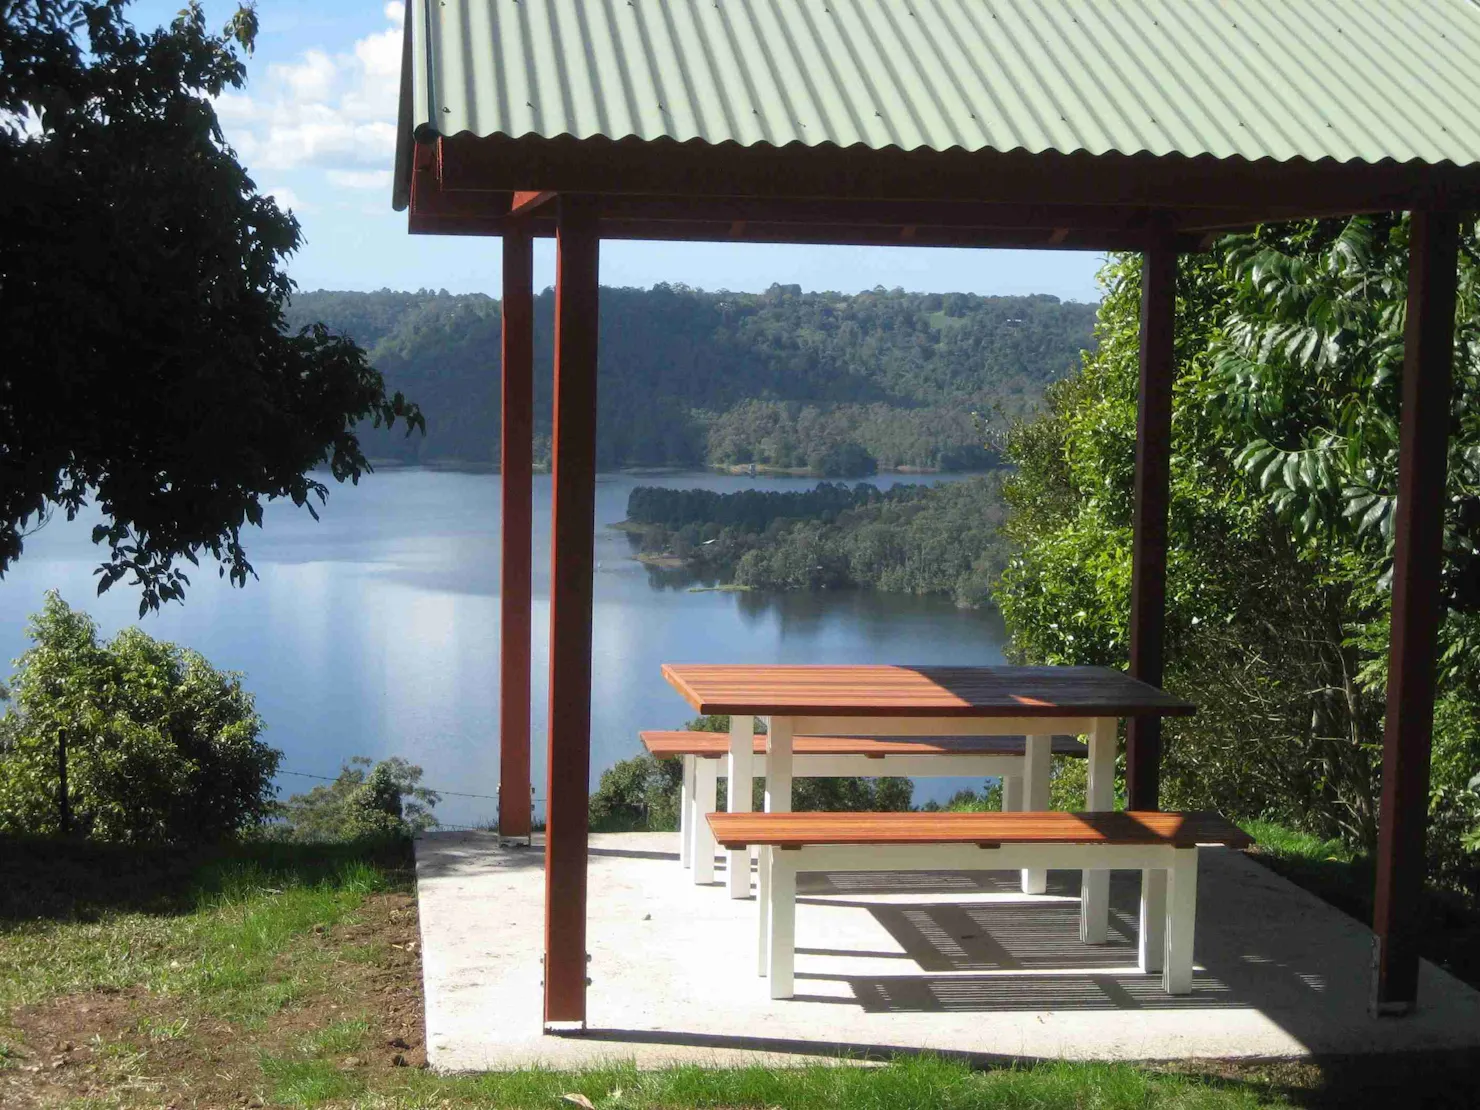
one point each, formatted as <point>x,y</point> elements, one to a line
<point>375,630</point>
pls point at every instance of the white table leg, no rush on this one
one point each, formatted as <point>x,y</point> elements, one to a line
<point>778,765</point>
<point>1151,946</point>
<point>1181,919</point>
<point>779,920</point>
<point>706,783</point>
<point>763,903</point>
<point>737,798</point>
<point>783,906</point>
<point>1036,767</point>
<point>686,814</point>
<point>1012,793</point>
<point>1094,887</point>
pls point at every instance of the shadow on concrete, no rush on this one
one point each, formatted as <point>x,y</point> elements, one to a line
<point>997,936</point>
<point>1125,990</point>
<point>853,953</point>
<point>634,853</point>
<point>842,1050</point>
<point>1031,960</point>
<point>821,883</point>
<point>463,854</point>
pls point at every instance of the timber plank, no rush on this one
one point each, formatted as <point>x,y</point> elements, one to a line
<point>1183,830</point>
<point>903,691</point>
<point>711,744</point>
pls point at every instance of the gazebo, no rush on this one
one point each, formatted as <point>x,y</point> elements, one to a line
<point>1139,125</point>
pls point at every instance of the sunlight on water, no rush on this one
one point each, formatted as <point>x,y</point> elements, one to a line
<point>375,630</point>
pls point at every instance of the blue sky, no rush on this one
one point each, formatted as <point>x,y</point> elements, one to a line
<point>315,128</point>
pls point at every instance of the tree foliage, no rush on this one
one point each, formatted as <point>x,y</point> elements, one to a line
<point>834,383</point>
<point>160,747</point>
<point>141,297</point>
<point>643,793</point>
<point>1283,473</point>
<point>941,539</point>
<point>366,800</point>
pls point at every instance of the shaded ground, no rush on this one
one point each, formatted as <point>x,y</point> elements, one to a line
<point>252,978</point>
<point>1448,919</point>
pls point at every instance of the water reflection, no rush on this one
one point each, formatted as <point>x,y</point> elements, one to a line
<point>375,630</point>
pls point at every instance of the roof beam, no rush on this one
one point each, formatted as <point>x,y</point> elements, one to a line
<point>815,212</point>
<point>1265,189</point>
<point>526,202</point>
<point>881,235</point>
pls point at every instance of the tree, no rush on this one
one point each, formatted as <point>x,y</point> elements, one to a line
<point>139,740</point>
<point>1283,471</point>
<point>689,377</point>
<point>367,799</point>
<point>142,292</point>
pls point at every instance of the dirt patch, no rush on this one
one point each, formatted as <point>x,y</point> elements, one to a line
<point>135,1047</point>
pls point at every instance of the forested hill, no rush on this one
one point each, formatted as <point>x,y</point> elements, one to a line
<point>832,383</point>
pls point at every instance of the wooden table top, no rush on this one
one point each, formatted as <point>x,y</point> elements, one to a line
<point>897,691</point>
<point>795,830</point>
<point>715,744</point>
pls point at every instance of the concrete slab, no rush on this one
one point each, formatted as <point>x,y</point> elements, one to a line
<point>952,962</point>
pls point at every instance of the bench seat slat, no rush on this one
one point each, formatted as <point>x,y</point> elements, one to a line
<point>793,830</point>
<point>714,744</point>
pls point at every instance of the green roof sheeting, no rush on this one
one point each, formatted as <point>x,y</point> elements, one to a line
<point>1350,80</point>
<point>1343,79</point>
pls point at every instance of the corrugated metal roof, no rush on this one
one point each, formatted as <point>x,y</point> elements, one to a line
<point>1312,79</point>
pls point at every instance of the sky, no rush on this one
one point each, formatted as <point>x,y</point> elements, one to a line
<point>315,127</point>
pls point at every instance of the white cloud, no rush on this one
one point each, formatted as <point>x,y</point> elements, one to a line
<point>360,179</point>
<point>331,111</point>
<point>287,199</point>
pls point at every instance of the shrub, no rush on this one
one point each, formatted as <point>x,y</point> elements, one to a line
<point>642,793</point>
<point>367,800</point>
<point>638,794</point>
<point>157,746</point>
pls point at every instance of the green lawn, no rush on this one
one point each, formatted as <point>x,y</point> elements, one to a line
<point>288,976</point>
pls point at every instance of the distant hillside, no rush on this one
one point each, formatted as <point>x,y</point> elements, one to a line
<point>820,381</point>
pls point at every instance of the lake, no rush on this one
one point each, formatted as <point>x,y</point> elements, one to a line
<point>375,630</point>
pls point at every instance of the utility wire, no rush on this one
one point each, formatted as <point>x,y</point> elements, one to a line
<point>433,789</point>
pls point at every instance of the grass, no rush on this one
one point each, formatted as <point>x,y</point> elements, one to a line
<point>221,951</point>
<point>309,1082</point>
<point>906,1083</point>
<point>1294,845</point>
<point>275,976</point>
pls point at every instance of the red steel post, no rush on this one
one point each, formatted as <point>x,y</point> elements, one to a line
<point>1418,555</point>
<point>1152,493</point>
<point>515,466</point>
<point>571,581</point>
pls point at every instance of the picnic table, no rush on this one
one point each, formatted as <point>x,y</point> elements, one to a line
<point>928,701</point>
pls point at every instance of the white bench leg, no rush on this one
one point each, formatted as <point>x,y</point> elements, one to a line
<point>737,798</point>
<point>706,782</point>
<point>1181,918</point>
<point>686,814</point>
<point>1094,886</point>
<point>1153,933</point>
<point>1012,793</point>
<point>763,904</point>
<point>1036,766</point>
<point>782,902</point>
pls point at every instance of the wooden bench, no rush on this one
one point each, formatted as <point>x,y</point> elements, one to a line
<point>839,757</point>
<point>1163,843</point>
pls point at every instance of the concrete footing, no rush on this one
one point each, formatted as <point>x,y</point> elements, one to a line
<point>952,962</point>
